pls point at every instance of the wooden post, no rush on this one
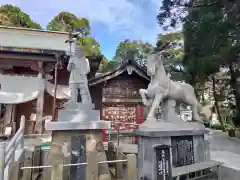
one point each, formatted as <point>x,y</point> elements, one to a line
<point>13,118</point>
<point>27,173</point>
<point>131,167</point>
<point>37,158</point>
<point>55,93</point>
<point>57,162</point>
<point>57,171</point>
<point>8,114</point>
<point>92,165</point>
<point>218,173</point>
<point>119,165</point>
<point>40,103</point>
<point>14,170</point>
<point>110,154</point>
<point>118,134</point>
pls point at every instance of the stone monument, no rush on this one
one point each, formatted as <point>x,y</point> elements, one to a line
<point>170,142</point>
<point>78,129</point>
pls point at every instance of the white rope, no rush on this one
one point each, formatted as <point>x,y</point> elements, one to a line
<point>67,165</point>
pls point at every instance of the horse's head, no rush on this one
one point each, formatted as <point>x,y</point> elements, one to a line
<point>153,62</point>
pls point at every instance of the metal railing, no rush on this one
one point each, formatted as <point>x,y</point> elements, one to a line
<point>8,149</point>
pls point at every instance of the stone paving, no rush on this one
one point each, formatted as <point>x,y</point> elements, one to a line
<point>225,149</point>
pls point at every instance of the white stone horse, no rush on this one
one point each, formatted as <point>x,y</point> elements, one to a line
<point>161,87</point>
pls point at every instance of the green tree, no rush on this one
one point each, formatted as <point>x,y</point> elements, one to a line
<point>172,46</point>
<point>208,33</point>
<point>4,20</point>
<point>68,22</point>
<point>103,65</point>
<point>172,12</point>
<point>108,65</point>
<point>13,16</point>
<point>90,45</point>
<point>133,50</point>
<point>210,40</point>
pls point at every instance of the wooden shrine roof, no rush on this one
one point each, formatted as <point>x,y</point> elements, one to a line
<point>32,40</point>
<point>129,66</point>
<point>26,44</point>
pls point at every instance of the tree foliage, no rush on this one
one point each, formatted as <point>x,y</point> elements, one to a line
<point>66,22</point>
<point>13,16</point>
<point>129,50</point>
<point>103,65</point>
<point>171,44</point>
<point>208,34</point>
<point>172,12</point>
<point>90,45</point>
<point>133,50</point>
<point>211,41</point>
<point>110,65</point>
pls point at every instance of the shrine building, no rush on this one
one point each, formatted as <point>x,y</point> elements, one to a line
<point>28,65</point>
<point>116,94</point>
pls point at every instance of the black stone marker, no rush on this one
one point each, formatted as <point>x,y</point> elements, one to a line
<point>78,155</point>
<point>163,169</point>
<point>182,151</point>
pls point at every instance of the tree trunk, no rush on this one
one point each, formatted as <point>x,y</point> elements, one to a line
<point>193,82</point>
<point>235,86</point>
<point>216,103</point>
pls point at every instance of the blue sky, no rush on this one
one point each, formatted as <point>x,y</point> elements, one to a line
<point>111,20</point>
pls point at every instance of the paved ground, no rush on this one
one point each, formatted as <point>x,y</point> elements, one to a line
<point>225,149</point>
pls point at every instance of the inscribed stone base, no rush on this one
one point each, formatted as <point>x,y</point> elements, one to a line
<point>76,144</point>
<point>185,140</point>
<point>70,119</point>
<point>79,112</point>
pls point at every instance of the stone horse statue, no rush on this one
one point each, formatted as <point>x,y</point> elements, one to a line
<point>161,87</point>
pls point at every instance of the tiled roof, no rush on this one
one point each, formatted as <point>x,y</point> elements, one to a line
<point>32,38</point>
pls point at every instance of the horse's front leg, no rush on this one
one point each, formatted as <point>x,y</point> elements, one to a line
<point>143,93</point>
<point>155,104</point>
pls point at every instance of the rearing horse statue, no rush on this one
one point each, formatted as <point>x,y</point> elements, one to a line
<point>161,87</point>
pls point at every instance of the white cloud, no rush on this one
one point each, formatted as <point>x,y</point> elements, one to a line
<point>134,19</point>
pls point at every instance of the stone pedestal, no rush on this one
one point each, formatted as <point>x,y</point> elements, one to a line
<point>169,143</point>
<point>78,131</point>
